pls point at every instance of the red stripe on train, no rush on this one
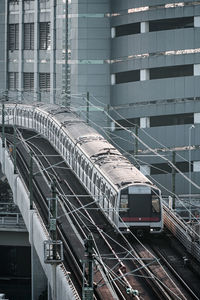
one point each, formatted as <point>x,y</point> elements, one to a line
<point>141,219</point>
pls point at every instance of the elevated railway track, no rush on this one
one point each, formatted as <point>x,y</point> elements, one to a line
<point>90,220</point>
<point>98,203</point>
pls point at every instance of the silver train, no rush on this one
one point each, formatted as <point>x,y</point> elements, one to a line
<point>128,199</point>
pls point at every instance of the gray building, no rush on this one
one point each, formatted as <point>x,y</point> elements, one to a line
<point>138,60</point>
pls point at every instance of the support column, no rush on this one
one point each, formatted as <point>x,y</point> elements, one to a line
<point>144,27</point>
<point>39,282</point>
<point>6,42</point>
<point>196,69</point>
<point>38,278</point>
<point>53,53</point>
<point>36,51</point>
<point>145,122</point>
<point>144,74</point>
<point>113,32</point>
<point>197,21</point>
<point>21,46</point>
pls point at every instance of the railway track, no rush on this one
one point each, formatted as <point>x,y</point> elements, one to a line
<point>182,267</point>
<point>119,269</point>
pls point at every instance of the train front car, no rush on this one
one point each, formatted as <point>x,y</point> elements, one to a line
<point>140,209</point>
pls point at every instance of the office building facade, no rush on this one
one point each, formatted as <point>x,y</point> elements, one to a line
<point>138,61</point>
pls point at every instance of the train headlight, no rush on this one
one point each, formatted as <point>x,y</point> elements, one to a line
<point>124,201</point>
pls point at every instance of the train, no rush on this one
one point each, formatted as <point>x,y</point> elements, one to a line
<point>127,198</point>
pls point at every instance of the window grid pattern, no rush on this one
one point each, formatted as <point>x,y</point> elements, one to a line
<point>29,36</point>
<point>45,39</point>
<point>14,1</point>
<point>44,82</point>
<point>13,36</point>
<point>13,81</point>
<point>28,82</point>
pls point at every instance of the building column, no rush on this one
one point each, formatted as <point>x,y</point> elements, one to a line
<point>53,52</point>
<point>36,51</point>
<point>144,74</point>
<point>144,27</point>
<point>145,122</point>
<point>66,54</point>
<point>6,42</point>
<point>145,170</point>
<point>197,21</point>
<point>38,278</point>
<point>21,46</point>
<point>196,69</point>
<point>196,166</point>
<point>113,32</point>
<point>196,118</point>
<point>113,79</point>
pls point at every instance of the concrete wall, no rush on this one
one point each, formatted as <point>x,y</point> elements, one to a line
<point>37,235</point>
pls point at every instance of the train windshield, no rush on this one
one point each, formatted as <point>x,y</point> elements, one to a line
<point>140,204</point>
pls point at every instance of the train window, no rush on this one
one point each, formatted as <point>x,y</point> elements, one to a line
<point>103,187</point>
<point>94,178</point>
<point>108,194</point>
<point>98,182</point>
<point>66,144</point>
<point>83,164</point>
<point>124,201</point>
<point>155,204</point>
<point>112,199</point>
<point>79,158</point>
<point>86,169</point>
<point>90,173</point>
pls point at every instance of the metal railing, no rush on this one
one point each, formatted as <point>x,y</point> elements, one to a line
<point>11,220</point>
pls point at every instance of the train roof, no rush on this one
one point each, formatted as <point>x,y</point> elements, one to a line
<point>103,154</point>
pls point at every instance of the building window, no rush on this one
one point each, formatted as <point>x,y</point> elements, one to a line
<point>28,82</point>
<point>45,36</point>
<point>172,120</point>
<point>13,36</point>
<point>163,168</point>
<point>44,82</point>
<point>172,71</point>
<point>13,80</point>
<point>14,1</point>
<point>127,29</point>
<point>129,76</point>
<point>130,123</point>
<point>168,24</point>
<point>29,36</point>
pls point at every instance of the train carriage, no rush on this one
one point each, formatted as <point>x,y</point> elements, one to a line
<point>129,200</point>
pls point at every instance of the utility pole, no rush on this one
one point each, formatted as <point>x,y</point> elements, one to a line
<point>5,98</point>
<point>31,180</point>
<point>135,149</point>
<point>87,293</point>
<point>14,149</point>
<point>136,141</point>
<point>3,125</point>
<point>87,109</point>
<point>53,213</point>
<point>173,180</point>
<point>53,249</point>
<point>108,121</point>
